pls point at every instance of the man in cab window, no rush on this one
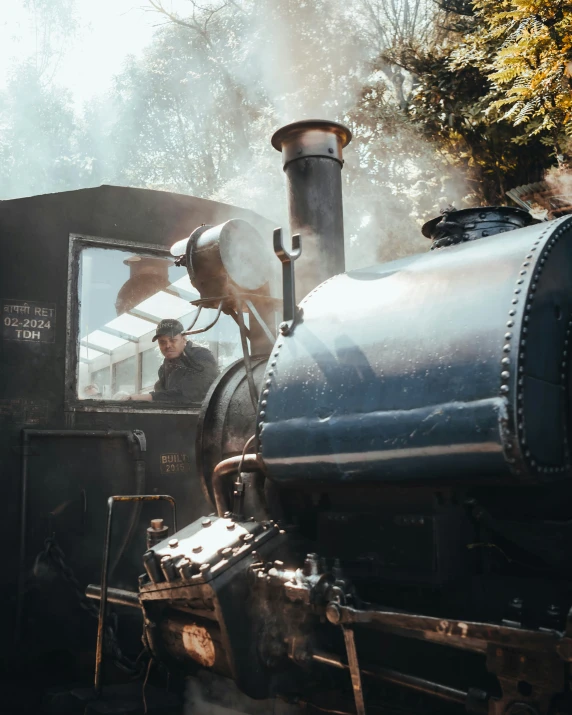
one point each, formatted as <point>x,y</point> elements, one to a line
<point>187,371</point>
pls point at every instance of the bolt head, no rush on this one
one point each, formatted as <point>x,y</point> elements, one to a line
<point>173,543</point>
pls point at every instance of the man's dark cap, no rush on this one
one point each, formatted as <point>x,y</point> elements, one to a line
<point>168,327</point>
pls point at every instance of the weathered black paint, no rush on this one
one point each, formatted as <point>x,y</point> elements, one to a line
<point>34,234</point>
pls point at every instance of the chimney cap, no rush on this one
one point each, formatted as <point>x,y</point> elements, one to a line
<point>311,137</point>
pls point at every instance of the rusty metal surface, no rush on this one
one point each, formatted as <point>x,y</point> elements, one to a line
<point>201,552</point>
<point>114,595</point>
<point>429,369</point>
<point>466,635</point>
<point>105,569</point>
<point>199,644</point>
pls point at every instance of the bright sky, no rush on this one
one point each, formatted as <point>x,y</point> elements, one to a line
<point>111,30</point>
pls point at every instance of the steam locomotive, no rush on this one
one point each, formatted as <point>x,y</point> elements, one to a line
<point>389,467</point>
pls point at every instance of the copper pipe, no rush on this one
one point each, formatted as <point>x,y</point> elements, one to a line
<point>250,463</point>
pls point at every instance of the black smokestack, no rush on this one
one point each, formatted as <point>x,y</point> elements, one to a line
<point>312,156</point>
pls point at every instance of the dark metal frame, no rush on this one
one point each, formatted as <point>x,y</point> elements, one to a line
<point>134,439</point>
<point>77,243</point>
<point>105,570</point>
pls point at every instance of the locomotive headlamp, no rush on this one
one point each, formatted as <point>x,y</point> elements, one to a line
<point>224,260</point>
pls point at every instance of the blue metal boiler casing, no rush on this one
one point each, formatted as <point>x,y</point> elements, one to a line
<point>445,367</point>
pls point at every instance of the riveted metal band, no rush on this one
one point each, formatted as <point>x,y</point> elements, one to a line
<point>517,325</point>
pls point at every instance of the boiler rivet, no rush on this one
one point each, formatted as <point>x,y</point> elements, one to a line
<point>512,312</point>
<point>262,414</point>
<point>505,361</point>
<point>510,323</point>
<point>504,388</point>
<point>507,336</point>
<point>506,349</point>
<point>505,374</point>
<point>263,403</point>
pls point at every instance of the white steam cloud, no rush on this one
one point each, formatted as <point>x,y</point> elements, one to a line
<point>194,111</point>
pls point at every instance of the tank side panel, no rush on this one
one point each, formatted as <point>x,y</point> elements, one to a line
<point>394,372</point>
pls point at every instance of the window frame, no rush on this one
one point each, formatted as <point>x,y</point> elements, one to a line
<point>72,403</point>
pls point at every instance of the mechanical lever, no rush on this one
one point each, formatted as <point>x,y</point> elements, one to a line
<point>288,279</point>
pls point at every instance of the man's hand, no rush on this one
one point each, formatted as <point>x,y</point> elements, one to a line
<point>124,396</point>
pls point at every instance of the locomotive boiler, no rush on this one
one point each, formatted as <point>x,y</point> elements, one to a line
<point>389,468</point>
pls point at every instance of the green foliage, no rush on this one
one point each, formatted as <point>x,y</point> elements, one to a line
<point>530,63</point>
<point>524,50</point>
<point>493,92</point>
<point>452,105</point>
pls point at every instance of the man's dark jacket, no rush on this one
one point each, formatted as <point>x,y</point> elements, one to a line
<point>187,378</point>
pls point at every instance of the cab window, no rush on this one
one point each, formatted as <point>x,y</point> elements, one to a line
<point>122,294</point>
